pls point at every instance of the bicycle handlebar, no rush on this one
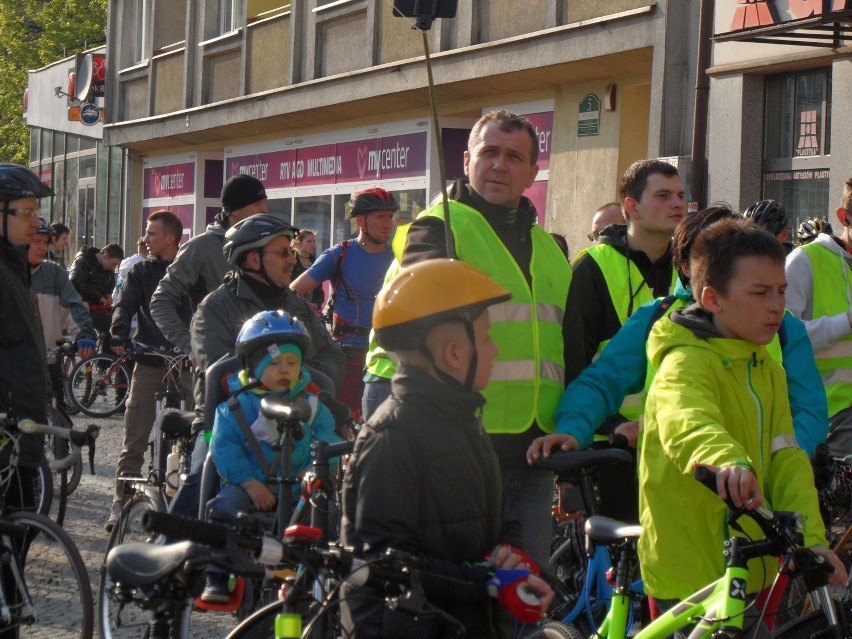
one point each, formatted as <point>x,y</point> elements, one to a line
<point>77,439</point>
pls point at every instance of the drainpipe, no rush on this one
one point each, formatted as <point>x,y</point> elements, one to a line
<point>702,98</point>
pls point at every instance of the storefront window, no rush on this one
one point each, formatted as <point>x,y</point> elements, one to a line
<point>797,141</point>
<point>314,212</point>
<point>34,144</point>
<point>411,203</point>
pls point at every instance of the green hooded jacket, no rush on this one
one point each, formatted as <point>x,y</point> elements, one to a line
<point>722,402</point>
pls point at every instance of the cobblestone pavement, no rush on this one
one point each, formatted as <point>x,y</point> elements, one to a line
<point>87,511</point>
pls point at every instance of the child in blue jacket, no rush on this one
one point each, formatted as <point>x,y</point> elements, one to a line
<point>269,348</point>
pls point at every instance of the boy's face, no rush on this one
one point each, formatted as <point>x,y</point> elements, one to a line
<point>486,351</point>
<point>282,371</point>
<point>753,307</point>
<point>662,205</point>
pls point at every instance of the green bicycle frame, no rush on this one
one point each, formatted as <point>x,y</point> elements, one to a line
<point>723,599</point>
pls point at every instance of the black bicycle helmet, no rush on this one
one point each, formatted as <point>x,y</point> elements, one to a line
<point>18,181</point>
<point>253,233</point>
<point>44,228</point>
<point>809,229</point>
<point>369,200</point>
<point>769,215</point>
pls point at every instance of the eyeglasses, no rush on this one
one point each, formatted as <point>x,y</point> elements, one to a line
<point>284,253</point>
<point>28,213</point>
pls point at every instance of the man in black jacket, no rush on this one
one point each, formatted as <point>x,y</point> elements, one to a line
<point>162,236</point>
<point>23,362</point>
<point>93,275</point>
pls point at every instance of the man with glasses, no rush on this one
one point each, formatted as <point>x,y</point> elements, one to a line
<point>259,251</point>
<point>609,213</point>
<point>24,383</point>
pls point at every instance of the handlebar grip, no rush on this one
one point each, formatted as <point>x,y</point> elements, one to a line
<point>179,527</point>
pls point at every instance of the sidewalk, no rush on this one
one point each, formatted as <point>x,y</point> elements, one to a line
<point>87,512</point>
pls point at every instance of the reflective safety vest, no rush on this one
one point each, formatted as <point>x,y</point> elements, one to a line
<point>379,363</point>
<point>528,377</point>
<point>627,291</point>
<point>832,296</point>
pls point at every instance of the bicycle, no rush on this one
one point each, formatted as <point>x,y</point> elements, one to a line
<point>581,582</point>
<point>717,609</point>
<point>67,359</point>
<point>45,585</point>
<point>131,609</point>
<point>98,386</point>
<point>174,573</point>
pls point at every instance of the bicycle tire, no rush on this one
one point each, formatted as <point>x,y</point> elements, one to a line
<point>556,630</point>
<point>813,624</point>
<point>66,365</point>
<point>56,579</point>
<point>61,447</point>
<point>99,387</point>
<point>44,488</point>
<point>258,625</point>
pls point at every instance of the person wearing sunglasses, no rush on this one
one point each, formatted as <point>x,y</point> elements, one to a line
<point>24,383</point>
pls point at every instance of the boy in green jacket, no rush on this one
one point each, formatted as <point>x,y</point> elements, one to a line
<point>719,400</point>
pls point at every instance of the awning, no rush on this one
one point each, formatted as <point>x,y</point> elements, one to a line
<point>831,30</point>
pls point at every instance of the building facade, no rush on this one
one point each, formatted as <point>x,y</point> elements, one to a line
<point>319,98</point>
<point>780,102</point>
<point>67,152</point>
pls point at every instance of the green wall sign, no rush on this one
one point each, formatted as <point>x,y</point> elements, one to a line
<point>589,117</point>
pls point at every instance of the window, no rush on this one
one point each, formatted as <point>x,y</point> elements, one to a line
<point>140,19</point>
<point>797,142</point>
<point>227,16</point>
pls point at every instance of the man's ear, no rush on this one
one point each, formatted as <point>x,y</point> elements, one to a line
<point>842,216</point>
<point>252,261</point>
<point>629,209</point>
<point>466,162</point>
<point>710,299</point>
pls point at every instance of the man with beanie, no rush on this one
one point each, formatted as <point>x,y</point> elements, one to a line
<point>200,265</point>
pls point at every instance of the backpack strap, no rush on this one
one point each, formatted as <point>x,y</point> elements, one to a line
<point>237,410</point>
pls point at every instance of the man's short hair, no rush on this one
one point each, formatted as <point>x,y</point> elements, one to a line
<point>689,229</point>
<point>507,122</point>
<point>714,256</point>
<point>114,251</point>
<point>58,229</point>
<point>171,223</point>
<point>635,178</point>
<point>846,200</point>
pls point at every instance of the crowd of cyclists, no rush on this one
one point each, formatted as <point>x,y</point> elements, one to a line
<point>471,348</point>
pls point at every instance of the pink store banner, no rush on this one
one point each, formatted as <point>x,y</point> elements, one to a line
<point>543,123</point>
<point>369,160</point>
<point>172,180</point>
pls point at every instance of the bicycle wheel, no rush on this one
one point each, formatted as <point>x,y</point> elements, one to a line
<point>556,630</point>
<point>43,486</point>
<point>259,625</point>
<point>59,447</point>
<point>56,579</point>
<point>66,365</point>
<point>99,386</point>
<point>116,619</point>
<point>811,625</point>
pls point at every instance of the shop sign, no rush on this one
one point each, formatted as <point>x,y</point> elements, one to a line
<point>543,123</point>
<point>374,159</point>
<point>169,181</point>
<point>793,176</point>
<point>808,143</point>
<point>589,118</point>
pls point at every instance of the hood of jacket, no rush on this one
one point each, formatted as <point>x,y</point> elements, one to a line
<point>693,326</point>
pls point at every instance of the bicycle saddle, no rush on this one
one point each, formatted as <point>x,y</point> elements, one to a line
<point>567,465</point>
<point>603,530</point>
<point>175,424</point>
<point>138,563</point>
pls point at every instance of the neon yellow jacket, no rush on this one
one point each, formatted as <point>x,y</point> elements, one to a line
<point>722,402</point>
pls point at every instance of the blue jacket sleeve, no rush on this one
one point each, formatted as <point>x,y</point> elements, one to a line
<point>601,388</point>
<point>226,446</point>
<point>804,385</point>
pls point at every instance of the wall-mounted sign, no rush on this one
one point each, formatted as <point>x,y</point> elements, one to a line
<point>392,157</point>
<point>173,180</point>
<point>589,117</point>
<point>88,114</point>
<point>749,14</point>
